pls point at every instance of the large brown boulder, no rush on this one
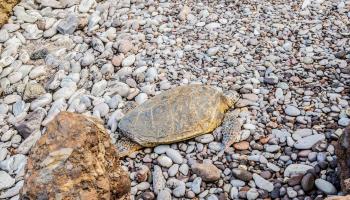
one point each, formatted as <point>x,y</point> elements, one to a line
<point>75,160</point>
<point>342,150</point>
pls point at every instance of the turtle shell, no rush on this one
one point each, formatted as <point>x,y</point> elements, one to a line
<point>175,115</point>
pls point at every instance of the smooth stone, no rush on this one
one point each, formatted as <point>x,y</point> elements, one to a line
<point>207,171</point>
<point>344,121</point>
<point>184,168</point>
<point>325,186</point>
<point>68,25</point>
<point>159,181</point>
<point>309,141</point>
<point>29,142</point>
<point>237,183</point>
<point>204,139</point>
<point>174,155</point>
<point>294,169</point>
<point>12,191</point>
<point>85,5</point>
<point>164,195</point>
<point>215,146</point>
<point>172,171</point>
<point>41,101</point>
<point>196,185</point>
<point>292,111</point>
<point>164,161</point>
<point>252,194</point>
<point>160,149</point>
<point>141,98</point>
<point>308,182</point>
<point>6,181</point>
<point>128,61</point>
<point>18,107</point>
<point>300,133</point>
<point>242,174</point>
<point>262,183</point>
<point>99,88</point>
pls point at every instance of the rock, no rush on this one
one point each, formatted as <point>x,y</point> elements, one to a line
<point>68,25</point>
<point>342,150</point>
<point>85,5</point>
<point>294,169</point>
<point>184,13</point>
<point>12,191</point>
<point>309,141</point>
<point>242,174</point>
<point>164,195</point>
<point>6,181</point>
<point>295,180</point>
<point>174,155</point>
<point>75,149</point>
<point>148,196</point>
<point>125,46</point>
<point>252,194</point>
<point>39,54</point>
<point>99,88</point>
<point>173,170</point>
<point>204,139</point>
<point>207,171</point>
<point>29,142</point>
<point>179,187</point>
<point>31,123</point>
<point>33,90</point>
<point>213,51</point>
<point>141,98</point>
<point>325,186</point>
<point>196,185</point>
<point>128,61</point>
<point>344,121</point>
<point>243,145</point>
<point>292,111</point>
<point>164,161</point>
<point>308,182</point>
<point>262,183</point>
<point>158,180</point>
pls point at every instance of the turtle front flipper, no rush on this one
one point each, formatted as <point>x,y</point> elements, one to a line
<point>231,128</point>
<point>126,147</point>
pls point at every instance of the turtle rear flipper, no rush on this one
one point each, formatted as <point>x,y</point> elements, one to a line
<point>231,128</point>
<point>126,147</point>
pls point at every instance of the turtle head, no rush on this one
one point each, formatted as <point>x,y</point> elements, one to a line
<point>231,97</point>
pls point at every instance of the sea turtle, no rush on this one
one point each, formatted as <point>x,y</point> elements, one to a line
<point>179,114</point>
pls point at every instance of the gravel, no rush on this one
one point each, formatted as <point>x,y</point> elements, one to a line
<point>288,60</point>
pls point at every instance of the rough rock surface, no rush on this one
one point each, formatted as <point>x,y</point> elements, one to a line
<point>75,159</point>
<point>342,150</point>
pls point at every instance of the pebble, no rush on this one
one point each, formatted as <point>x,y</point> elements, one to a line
<point>294,169</point>
<point>68,25</point>
<point>158,180</point>
<point>308,182</point>
<point>196,185</point>
<point>325,186</point>
<point>128,61</point>
<point>262,183</point>
<point>204,139</point>
<point>308,141</point>
<point>6,181</point>
<point>292,111</point>
<point>164,195</point>
<point>174,155</point>
<point>243,175</point>
<point>165,161</point>
<point>208,172</point>
<point>252,194</point>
